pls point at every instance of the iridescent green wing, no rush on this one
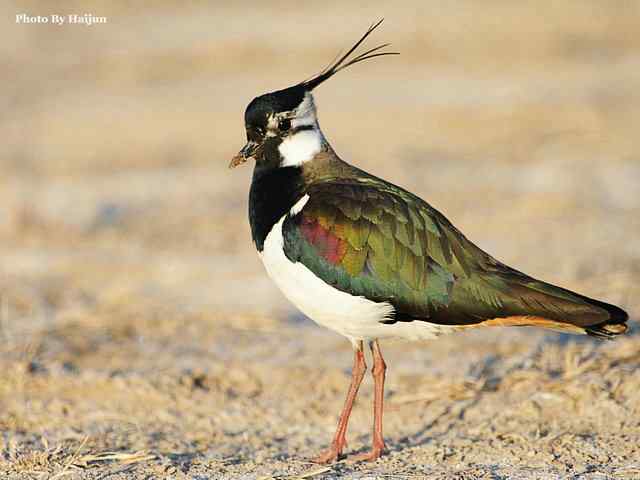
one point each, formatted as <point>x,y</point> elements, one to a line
<point>370,242</point>
<point>369,238</point>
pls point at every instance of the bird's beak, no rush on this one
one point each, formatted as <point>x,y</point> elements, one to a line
<point>243,155</point>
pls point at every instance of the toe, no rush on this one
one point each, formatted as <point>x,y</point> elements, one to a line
<point>328,456</point>
<point>369,456</point>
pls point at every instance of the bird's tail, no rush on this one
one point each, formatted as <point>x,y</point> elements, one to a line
<point>524,301</point>
<point>564,310</point>
<point>615,325</point>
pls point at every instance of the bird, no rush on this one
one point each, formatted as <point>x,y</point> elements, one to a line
<point>371,260</point>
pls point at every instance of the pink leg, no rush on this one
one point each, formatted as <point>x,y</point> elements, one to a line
<point>339,439</point>
<point>379,369</point>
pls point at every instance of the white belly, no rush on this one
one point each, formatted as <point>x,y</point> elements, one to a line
<point>354,317</point>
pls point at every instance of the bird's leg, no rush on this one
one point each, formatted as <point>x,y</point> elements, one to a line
<point>339,439</point>
<point>379,373</point>
<point>379,370</point>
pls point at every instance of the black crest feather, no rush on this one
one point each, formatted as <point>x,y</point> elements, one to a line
<point>340,64</point>
<point>288,99</point>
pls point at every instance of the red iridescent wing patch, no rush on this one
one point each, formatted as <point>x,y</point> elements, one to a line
<point>327,244</point>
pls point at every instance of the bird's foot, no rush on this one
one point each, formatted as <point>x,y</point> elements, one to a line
<point>370,456</point>
<point>330,455</point>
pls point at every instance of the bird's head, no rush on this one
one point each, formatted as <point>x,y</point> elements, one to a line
<point>282,126</point>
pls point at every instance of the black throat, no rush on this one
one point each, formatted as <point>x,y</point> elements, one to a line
<point>273,192</point>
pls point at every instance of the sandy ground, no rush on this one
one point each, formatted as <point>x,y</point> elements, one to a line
<point>139,335</point>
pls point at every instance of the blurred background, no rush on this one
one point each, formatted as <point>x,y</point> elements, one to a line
<point>135,316</point>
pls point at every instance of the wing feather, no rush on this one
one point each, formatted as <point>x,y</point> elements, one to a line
<point>370,238</point>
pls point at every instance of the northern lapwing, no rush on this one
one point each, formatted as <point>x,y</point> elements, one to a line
<point>370,260</point>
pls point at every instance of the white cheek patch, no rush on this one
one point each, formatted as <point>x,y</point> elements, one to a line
<point>305,113</point>
<point>300,147</point>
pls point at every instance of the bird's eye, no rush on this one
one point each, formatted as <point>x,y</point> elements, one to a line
<point>284,124</point>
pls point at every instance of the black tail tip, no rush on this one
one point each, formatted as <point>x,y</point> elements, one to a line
<point>616,325</point>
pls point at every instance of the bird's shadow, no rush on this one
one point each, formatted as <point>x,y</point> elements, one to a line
<point>493,378</point>
<point>486,371</point>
